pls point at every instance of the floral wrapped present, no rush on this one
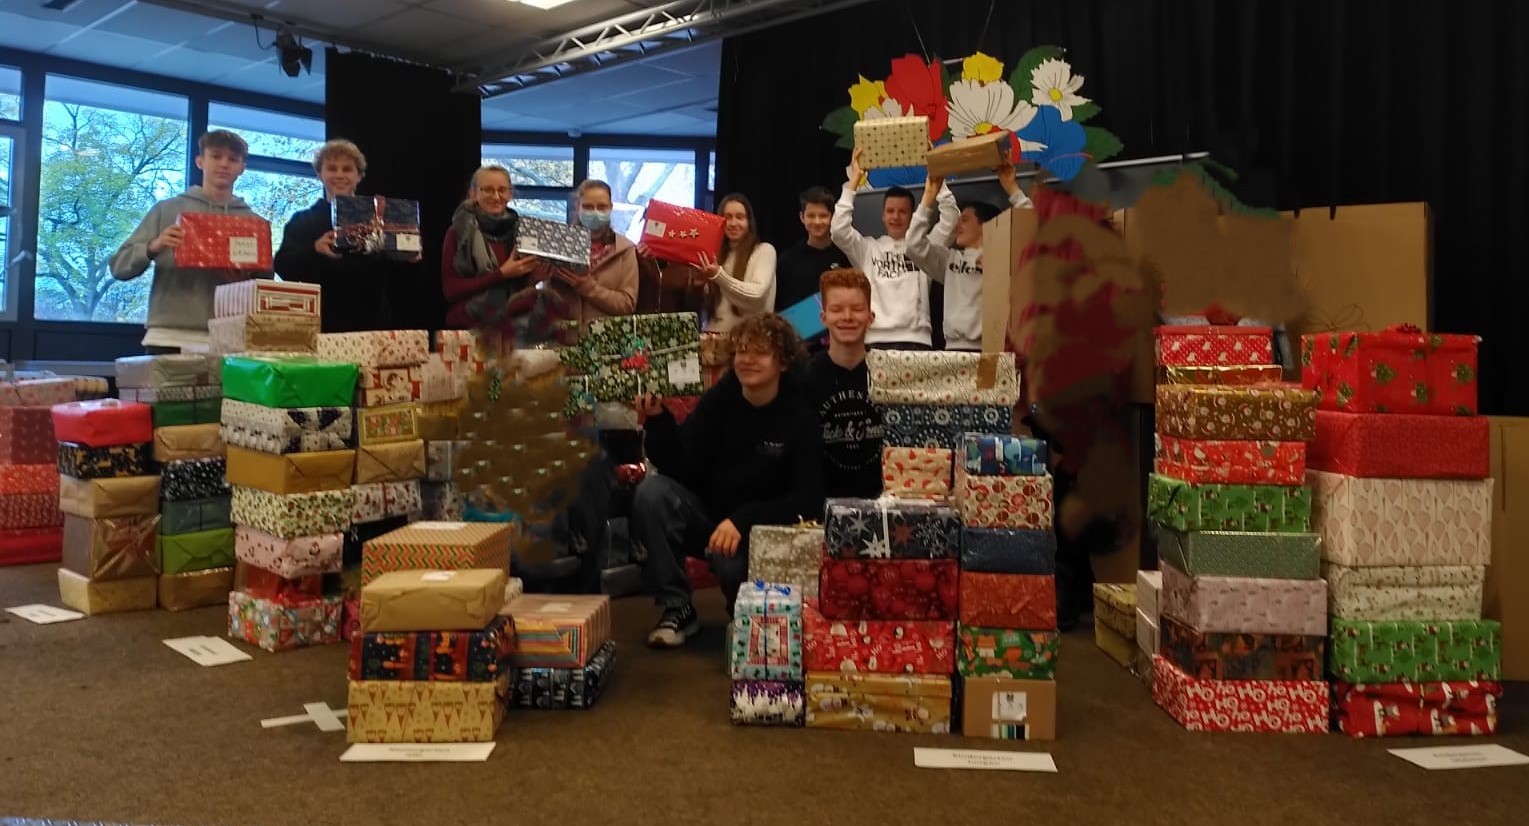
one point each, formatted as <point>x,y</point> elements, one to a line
<point>260,296</point>
<point>1236,374</point>
<point>196,551</point>
<point>30,510</point>
<point>918,704</point>
<point>287,430</point>
<point>1241,553</point>
<point>681,234</point>
<point>912,589</point>
<point>108,596</point>
<point>1008,551</point>
<point>423,600</point>
<point>272,587</point>
<point>1232,461</point>
<point>1004,501</point>
<point>768,703</point>
<point>1007,652</point>
<point>888,528</point>
<point>563,245</point>
<point>788,555</point>
<point>441,460</point>
<point>888,143</point>
<point>1008,600</point>
<point>438,546</point>
<point>289,381</point>
<point>194,515</point>
<point>1434,708</point>
<point>559,631</point>
<point>766,643</point>
<point>26,436</point>
<point>916,472</point>
<point>1369,522</point>
<point>102,549</point>
<point>443,502</point>
<point>386,500</point>
<point>275,627</point>
<point>478,656</point>
<point>999,454</point>
<point>1282,413</point>
<point>196,411</point>
<point>220,241</point>
<point>290,558</point>
<point>195,589</point>
<point>263,334</point>
<point>1391,651</point>
<point>1412,592</point>
<point>911,425</point>
<point>942,378</point>
<point>1281,706</point>
<point>109,498</point>
<point>162,372</point>
<point>390,711</point>
<point>194,479</point>
<point>1250,605</point>
<point>1399,370</point>
<point>190,441</point>
<point>564,688</point>
<point>1241,656</point>
<point>623,356</point>
<point>103,423</point>
<point>35,392</point>
<point>1214,345</point>
<point>30,546</point>
<point>1402,445</point>
<point>1196,507</point>
<point>293,515</point>
<point>877,646</point>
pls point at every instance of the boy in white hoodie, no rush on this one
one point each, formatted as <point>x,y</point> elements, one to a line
<point>959,269</point>
<point>899,289</point>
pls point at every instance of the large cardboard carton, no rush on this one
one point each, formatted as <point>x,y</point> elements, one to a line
<point>1364,267</point>
<point>1507,585</point>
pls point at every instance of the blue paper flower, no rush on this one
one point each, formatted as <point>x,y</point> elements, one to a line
<point>904,176</point>
<point>1064,140</point>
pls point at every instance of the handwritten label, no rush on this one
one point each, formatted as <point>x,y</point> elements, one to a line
<point>44,614</point>
<point>438,576</point>
<point>407,242</point>
<point>208,651</point>
<point>655,228</point>
<point>685,371</point>
<point>243,249</point>
<point>1014,761</point>
<point>1461,757</point>
<point>417,753</point>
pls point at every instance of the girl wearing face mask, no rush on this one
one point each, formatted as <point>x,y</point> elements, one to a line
<point>742,283</point>
<point>610,286</point>
<point>480,272</point>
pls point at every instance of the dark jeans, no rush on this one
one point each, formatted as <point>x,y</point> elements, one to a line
<point>668,524</point>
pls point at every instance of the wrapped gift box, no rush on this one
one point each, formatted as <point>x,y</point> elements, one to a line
<point>768,703</point>
<point>287,430</point>
<point>479,656</point>
<point>766,643</point>
<point>1432,709</point>
<point>1241,553</point>
<point>1003,709</point>
<point>1214,346</point>
<point>1116,646</point>
<point>982,153</point>
<point>289,381</point>
<point>264,334</point>
<point>460,600</point>
<point>400,228</point>
<point>887,143</point>
<point>219,241</point>
<point>1009,601</point>
<point>564,245</point>
<point>165,395</point>
<point>564,688</point>
<point>1232,461</point>
<point>1280,706</point>
<point>83,462</point>
<point>183,553</point>
<point>441,501</point>
<point>942,378</point>
<point>434,381</point>
<point>293,515</point>
<point>914,589</point>
<point>912,425</point>
<point>623,356</point>
<point>193,515</point>
<point>1413,592</point>
<point>1004,501</point>
<point>266,585</point>
<point>1241,656</point>
<point>26,435</point>
<point>1149,592</point>
<point>384,387</point>
<point>1235,374</point>
<point>29,546</point>
<point>1007,652</point>
<point>877,646</point>
<point>1148,636</point>
<point>386,500</point>
<point>441,460</point>
<point>195,589</point>
<point>1395,371</point>
<point>890,528</point>
<point>261,296</point>
<point>1007,551</point>
<point>106,596</point>
<point>109,498</point>
<point>103,423</point>
<point>559,631</point>
<point>918,704</point>
<point>997,454</point>
<point>198,411</point>
<point>1250,605</point>
<point>291,558</point>
<point>1383,522</point>
<point>439,546</point>
<point>293,472</point>
<point>1402,445</point>
<point>194,479</point>
<point>393,462</point>
<point>682,234</point>
<point>165,371</point>
<point>462,348</point>
<point>105,549</point>
<point>30,510</point>
<point>1195,507</point>
<point>35,392</point>
<point>1115,607</point>
<point>274,627</point>
<point>370,224</point>
<point>916,472</point>
<point>1391,651</point>
<point>28,479</point>
<point>389,711</point>
<point>386,425</point>
<point>1282,413</point>
<point>194,441</point>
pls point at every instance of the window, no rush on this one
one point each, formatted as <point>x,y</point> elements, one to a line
<point>548,209</point>
<point>270,134</point>
<point>638,176</point>
<point>9,160</point>
<point>276,195</point>
<point>10,93</point>
<point>108,154</point>
<point>533,166</point>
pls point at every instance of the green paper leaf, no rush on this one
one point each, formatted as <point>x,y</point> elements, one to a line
<point>1020,77</point>
<point>1082,114</point>
<point>841,122</point>
<point>1100,144</point>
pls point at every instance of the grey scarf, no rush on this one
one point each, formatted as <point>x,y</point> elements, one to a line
<point>473,230</point>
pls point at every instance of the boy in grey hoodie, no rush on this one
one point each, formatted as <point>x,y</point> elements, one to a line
<point>180,302</point>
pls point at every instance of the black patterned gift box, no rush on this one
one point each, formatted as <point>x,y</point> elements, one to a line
<point>84,462</point>
<point>907,425</point>
<point>564,688</point>
<point>400,227</point>
<point>891,529</point>
<point>287,430</point>
<point>194,479</point>
<point>564,245</point>
<point>354,218</point>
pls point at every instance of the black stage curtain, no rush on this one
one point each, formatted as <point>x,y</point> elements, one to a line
<point>1314,102</point>
<point>422,141</point>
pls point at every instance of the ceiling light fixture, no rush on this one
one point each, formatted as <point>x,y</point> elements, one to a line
<point>542,4</point>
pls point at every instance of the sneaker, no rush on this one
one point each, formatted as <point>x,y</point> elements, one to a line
<point>675,627</point>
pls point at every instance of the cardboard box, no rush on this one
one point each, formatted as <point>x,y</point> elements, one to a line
<point>461,600</point>
<point>108,597</point>
<point>109,498</point>
<point>293,472</point>
<point>1004,709</point>
<point>191,441</point>
<point>976,154</point>
<point>1506,593</point>
<point>1364,267</point>
<point>438,546</point>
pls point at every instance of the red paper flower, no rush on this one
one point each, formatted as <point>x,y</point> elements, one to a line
<point>916,85</point>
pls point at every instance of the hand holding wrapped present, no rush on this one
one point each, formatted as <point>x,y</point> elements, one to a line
<point>325,245</point>
<point>932,186</point>
<point>580,282</point>
<point>644,253</point>
<point>724,540</point>
<point>707,266</point>
<point>517,265</point>
<point>170,239</point>
<point>854,173</point>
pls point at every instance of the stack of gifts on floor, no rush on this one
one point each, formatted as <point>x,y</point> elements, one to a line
<point>196,538</point>
<point>564,653</point>
<point>1242,608</point>
<point>1115,632</point>
<point>31,524</point>
<point>1399,470</point>
<point>463,357</point>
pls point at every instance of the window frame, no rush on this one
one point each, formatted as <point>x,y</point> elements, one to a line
<point>702,149</point>
<point>21,270</point>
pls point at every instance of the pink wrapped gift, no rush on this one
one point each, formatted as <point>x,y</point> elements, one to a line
<point>916,472</point>
<point>290,558</point>
<point>1230,604</point>
<point>35,392</point>
<point>376,348</point>
<point>1003,501</point>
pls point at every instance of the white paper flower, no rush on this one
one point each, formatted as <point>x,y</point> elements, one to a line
<point>1056,85</point>
<point>980,108</point>
<point>889,108</point>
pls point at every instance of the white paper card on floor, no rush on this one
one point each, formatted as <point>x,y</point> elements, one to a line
<point>983,759</point>
<point>1461,757</point>
<point>44,614</point>
<point>208,651</point>
<point>417,753</point>
<point>320,714</point>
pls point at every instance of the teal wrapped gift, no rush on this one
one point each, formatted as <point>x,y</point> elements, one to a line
<point>999,454</point>
<point>767,633</point>
<point>623,356</point>
<point>289,381</point>
<point>911,425</point>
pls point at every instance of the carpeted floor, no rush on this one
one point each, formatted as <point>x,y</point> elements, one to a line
<point>103,722</point>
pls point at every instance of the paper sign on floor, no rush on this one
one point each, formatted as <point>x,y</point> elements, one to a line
<point>1461,757</point>
<point>1014,761</point>
<point>44,614</point>
<point>319,714</point>
<point>208,651</point>
<point>417,753</point>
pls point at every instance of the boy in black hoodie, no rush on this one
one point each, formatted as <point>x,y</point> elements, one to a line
<point>750,454</point>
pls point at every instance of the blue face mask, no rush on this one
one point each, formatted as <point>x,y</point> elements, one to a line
<point>592,220</point>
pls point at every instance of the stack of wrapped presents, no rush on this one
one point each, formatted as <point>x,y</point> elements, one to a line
<point>563,653</point>
<point>1242,609</point>
<point>930,399</point>
<point>618,358</point>
<point>109,495</point>
<point>196,538</point>
<point>764,657</point>
<point>265,316</point>
<point>30,521</point>
<point>462,356</point>
<point>1399,470</point>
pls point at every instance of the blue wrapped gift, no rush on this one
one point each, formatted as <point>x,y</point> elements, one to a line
<point>1008,551</point>
<point>806,316</point>
<point>1000,454</point>
<point>911,425</point>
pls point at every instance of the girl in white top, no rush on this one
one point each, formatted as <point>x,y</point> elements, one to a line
<point>743,282</point>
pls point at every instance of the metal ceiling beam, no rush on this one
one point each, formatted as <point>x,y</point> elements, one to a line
<point>672,27</point>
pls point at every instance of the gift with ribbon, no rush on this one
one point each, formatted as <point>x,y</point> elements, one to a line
<point>622,357</point>
<point>889,528</point>
<point>788,555</point>
<point>767,633</point>
<point>370,224</point>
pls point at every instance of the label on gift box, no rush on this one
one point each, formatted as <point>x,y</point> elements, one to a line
<point>685,371</point>
<point>1011,706</point>
<point>438,576</point>
<point>438,526</point>
<point>407,242</point>
<point>243,249</point>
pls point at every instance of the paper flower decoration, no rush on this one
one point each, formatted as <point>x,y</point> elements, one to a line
<point>981,68</point>
<point>1055,85</point>
<point>980,108</point>
<point>1061,143</point>
<point>920,86</point>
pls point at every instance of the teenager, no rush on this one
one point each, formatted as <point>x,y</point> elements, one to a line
<point>959,269</point>
<point>750,454</point>
<point>836,381</point>
<point>899,289</point>
<point>742,282</point>
<point>609,288</point>
<point>180,301</point>
<point>480,271</point>
<point>798,268</point>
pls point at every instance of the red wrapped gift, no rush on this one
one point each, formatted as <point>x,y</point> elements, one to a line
<point>888,589</point>
<point>1281,706</point>
<point>1214,346</point>
<point>1009,600</point>
<point>26,436</point>
<point>29,546</point>
<point>216,241</point>
<point>1433,708</point>
<point>1232,461</point>
<point>262,584</point>
<point>681,234</point>
<point>30,510</point>
<point>1400,370</point>
<point>28,479</point>
<point>36,392</point>
<point>877,646</point>
<point>1402,446</point>
<point>103,423</point>
<point>699,573</point>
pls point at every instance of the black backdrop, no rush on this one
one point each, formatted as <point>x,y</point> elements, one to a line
<point>1314,102</point>
<point>422,141</point>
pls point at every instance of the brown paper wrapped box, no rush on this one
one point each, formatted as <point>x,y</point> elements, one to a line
<point>198,589</point>
<point>106,549</point>
<point>394,711</point>
<point>262,333</point>
<point>463,600</point>
<point>982,153</point>
<point>291,472</point>
<point>109,498</point>
<point>396,462</point>
<point>109,597</point>
<point>1005,709</point>
<point>190,441</point>
<point>438,545</point>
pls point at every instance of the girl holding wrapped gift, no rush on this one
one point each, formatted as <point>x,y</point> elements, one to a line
<point>741,283</point>
<point>487,283</point>
<point>609,287</point>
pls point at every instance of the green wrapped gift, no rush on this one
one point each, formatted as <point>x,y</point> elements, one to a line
<point>195,515</point>
<point>198,551</point>
<point>1190,507</point>
<point>1007,652</point>
<point>626,355</point>
<point>200,411</point>
<point>1239,553</point>
<point>289,381</point>
<point>1397,650</point>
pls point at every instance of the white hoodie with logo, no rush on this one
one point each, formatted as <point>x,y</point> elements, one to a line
<point>899,289</point>
<point>960,270</point>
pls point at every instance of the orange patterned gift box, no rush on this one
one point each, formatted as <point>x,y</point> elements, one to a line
<point>916,472</point>
<point>442,545</point>
<point>1009,600</point>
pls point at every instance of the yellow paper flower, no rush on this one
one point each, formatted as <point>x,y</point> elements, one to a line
<point>866,94</point>
<point>982,68</point>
